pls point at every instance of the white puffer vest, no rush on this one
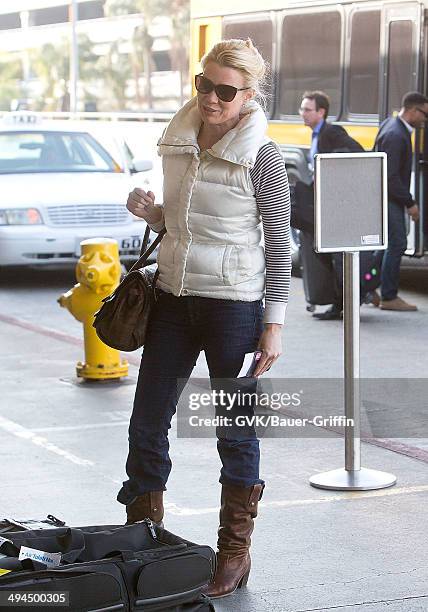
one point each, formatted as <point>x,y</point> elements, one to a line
<point>212,247</point>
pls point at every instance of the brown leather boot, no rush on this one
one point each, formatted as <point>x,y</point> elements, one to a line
<point>397,304</point>
<point>237,513</point>
<point>149,505</point>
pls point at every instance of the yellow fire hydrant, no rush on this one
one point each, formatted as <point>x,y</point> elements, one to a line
<point>98,273</point>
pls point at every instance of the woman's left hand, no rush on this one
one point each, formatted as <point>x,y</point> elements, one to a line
<point>270,344</point>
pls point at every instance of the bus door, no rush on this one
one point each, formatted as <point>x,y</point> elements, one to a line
<point>422,243</point>
<point>204,32</point>
<point>400,73</point>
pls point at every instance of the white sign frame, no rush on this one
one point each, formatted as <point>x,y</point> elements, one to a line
<point>383,244</point>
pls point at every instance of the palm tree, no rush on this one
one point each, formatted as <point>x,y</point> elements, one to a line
<point>89,68</point>
<point>115,69</point>
<point>11,78</point>
<point>51,64</point>
<point>142,42</point>
<point>180,15</point>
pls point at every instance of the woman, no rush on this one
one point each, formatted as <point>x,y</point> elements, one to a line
<point>222,177</point>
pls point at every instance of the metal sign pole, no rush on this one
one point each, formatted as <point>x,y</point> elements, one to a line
<point>351,215</point>
<point>353,477</point>
<point>351,354</point>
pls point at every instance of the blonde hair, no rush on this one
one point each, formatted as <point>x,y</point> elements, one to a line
<point>241,55</point>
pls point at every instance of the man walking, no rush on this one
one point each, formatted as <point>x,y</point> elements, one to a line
<point>394,138</point>
<point>327,138</point>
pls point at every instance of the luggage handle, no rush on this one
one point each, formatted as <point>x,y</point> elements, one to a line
<point>73,543</point>
<point>141,601</point>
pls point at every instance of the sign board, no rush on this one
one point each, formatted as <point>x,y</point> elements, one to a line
<point>351,202</point>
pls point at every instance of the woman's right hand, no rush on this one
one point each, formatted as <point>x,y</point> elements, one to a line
<point>142,204</point>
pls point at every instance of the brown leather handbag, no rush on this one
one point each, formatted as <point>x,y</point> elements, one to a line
<point>122,320</point>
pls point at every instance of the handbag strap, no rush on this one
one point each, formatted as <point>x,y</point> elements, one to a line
<point>145,240</point>
<point>145,254</point>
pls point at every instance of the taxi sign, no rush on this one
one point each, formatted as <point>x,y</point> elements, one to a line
<point>22,118</point>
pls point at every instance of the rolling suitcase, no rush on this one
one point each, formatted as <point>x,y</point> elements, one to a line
<point>132,567</point>
<point>322,273</point>
<point>317,273</point>
<point>370,273</point>
<point>370,270</point>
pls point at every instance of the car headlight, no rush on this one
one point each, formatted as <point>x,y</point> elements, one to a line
<point>20,216</point>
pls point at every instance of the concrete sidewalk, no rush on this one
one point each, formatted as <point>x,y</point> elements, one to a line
<point>63,449</point>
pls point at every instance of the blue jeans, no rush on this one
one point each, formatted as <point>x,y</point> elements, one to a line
<point>179,328</point>
<point>397,244</point>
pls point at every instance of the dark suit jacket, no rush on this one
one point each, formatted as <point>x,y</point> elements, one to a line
<point>335,139</point>
<point>394,139</point>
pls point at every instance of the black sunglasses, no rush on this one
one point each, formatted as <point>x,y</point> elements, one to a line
<point>226,93</point>
<point>422,111</point>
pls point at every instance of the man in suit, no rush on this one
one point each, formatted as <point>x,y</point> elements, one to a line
<point>327,138</point>
<point>394,138</point>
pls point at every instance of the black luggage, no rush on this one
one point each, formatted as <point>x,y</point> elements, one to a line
<point>317,272</point>
<point>370,273</point>
<point>302,207</point>
<point>322,273</point>
<point>370,269</point>
<point>132,567</point>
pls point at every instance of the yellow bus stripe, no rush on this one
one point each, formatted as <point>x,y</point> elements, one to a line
<point>300,135</point>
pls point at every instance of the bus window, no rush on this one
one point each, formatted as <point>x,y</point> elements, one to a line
<point>400,76</point>
<point>260,32</point>
<point>364,63</point>
<point>310,59</point>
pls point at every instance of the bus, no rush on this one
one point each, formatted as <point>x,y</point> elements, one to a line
<point>364,54</point>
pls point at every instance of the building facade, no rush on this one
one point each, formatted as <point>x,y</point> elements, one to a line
<point>127,60</point>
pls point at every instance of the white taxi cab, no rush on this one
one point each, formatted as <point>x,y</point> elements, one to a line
<point>61,184</point>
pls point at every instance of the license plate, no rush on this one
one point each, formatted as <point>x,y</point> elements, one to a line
<point>132,243</point>
<point>129,243</point>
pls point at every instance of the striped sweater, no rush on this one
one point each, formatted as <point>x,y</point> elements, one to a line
<point>269,178</point>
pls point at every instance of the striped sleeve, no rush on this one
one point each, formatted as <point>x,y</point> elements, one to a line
<point>270,182</point>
